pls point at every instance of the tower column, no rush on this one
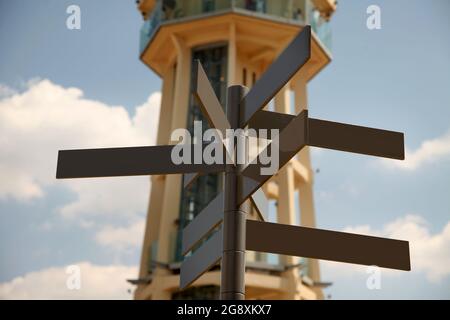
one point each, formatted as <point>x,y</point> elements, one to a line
<point>232,55</point>
<point>157,182</point>
<point>286,213</point>
<point>171,199</point>
<point>306,199</point>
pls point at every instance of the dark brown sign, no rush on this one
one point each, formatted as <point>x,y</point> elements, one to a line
<point>328,245</point>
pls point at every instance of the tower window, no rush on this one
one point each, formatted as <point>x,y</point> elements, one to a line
<point>208,5</point>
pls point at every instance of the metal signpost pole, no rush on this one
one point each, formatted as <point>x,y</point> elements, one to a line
<point>234,238</point>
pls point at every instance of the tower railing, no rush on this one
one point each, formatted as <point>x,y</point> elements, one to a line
<point>299,12</point>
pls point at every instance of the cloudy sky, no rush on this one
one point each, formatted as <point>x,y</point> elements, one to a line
<point>63,88</point>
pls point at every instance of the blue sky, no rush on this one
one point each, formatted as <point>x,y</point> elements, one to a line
<point>396,78</point>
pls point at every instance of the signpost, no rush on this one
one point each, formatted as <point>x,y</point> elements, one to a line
<point>223,221</point>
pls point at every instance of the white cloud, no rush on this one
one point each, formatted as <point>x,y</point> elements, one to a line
<point>430,253</point>
<point>429,151</point>
<point>122,238</point>
<point>97,282</point>
<point>45,118</point>
<point>6,91</point>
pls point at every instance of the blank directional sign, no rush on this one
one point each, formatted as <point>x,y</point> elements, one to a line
<point>351,138</point>
<point>299,131</point>
<point>207,99</point>
<point>291,140</point>
<point>261,204</point>
<point>327,245</point>
<point>212,215</point>
<point>204,222</point>
<point>132,161</point>
<point>210,252</point>
<point>279,73</point>
<point>202,260</point>
<point>339,136</point>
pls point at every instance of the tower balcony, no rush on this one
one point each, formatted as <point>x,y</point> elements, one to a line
<point>273,14</point>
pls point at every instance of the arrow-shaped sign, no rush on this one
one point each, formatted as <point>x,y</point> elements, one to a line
<point>327,245</point>
<point>211,216</point>
<point>318,133</point>
<point>132,161</point>
<point>339,136</point>
<point>202,260</point>
<point>204,222</point>
<point>279,73</point>
<point>252,179</point>
<point>207,99</point>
